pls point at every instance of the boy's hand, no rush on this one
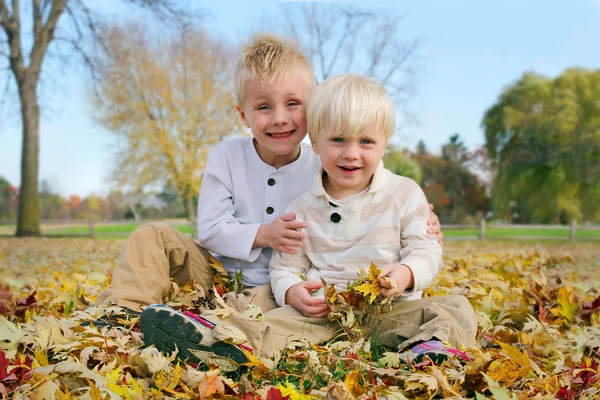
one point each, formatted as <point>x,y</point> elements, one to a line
<point>299,297</point>
<point>282,234</point>
<point>434,226</point>
<point>395,278</point>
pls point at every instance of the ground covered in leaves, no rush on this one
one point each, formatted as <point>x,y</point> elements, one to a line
<point>537,304</point>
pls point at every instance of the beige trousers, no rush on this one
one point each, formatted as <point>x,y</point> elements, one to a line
<point>447,318</point>
<point>156,252</point>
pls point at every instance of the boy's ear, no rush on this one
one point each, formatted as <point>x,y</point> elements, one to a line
<point>243,116</point>
<point>313,143</point>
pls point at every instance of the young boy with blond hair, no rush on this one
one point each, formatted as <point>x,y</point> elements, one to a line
<point>247,185</point>
<point>356,212</point>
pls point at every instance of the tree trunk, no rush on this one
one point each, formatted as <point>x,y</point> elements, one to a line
<point>28,217</point>
<point>189,209</point>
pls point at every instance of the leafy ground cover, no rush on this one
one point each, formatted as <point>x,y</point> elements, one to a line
<point>537,304</point>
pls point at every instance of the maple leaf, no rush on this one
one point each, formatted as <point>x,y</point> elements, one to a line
<point>370,290</point>
<point>275,394</point>
<point>221,279</point>
<point>210,386</point>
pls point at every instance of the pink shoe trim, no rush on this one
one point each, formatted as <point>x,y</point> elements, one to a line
<point>210,325</point>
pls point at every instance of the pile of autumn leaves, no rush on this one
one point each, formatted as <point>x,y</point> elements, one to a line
<point>537,307</point>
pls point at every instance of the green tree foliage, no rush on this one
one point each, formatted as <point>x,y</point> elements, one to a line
<point>399,162</point>
<point>543,138</point>
<point>449,184</point>
<point>52,205</point>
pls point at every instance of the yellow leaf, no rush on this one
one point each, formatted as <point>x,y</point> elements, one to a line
<point>41,357</point>
<point>374,272</point>
<point>221,277</point>
<point>290,390</point>
<point>352,382</point>
<point>369,289</point>
<point>567,305</point>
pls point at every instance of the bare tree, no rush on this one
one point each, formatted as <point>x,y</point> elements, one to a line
<point>54,22</point>
<point>343,38</point>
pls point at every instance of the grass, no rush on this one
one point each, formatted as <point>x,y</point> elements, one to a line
<point>122,230</point>
<point>505,232</point>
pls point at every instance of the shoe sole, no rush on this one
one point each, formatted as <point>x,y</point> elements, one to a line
<point>168,330</point>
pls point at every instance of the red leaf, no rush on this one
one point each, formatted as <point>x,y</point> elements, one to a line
<point>4,364</point>
<point>591,306</point>
<point>275,394</point>
<point>29,300</point>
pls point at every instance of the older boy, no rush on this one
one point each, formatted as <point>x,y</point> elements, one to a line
<point>246,187</point>
<point>356,213</point>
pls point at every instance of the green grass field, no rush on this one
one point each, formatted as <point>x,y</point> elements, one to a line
<point>505,232</point>
<point>123,230</point>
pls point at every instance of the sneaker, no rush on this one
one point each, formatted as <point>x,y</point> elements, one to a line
<point>168,330</point>
<point>123,319</point>
<point>436,350</point>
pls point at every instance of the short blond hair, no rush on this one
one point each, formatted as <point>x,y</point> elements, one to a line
<point>267,58</point>
<point>345,104</point>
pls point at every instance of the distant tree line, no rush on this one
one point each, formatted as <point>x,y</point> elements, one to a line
<point>116,206</point>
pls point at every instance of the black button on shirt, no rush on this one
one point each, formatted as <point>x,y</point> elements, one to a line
<point>271,182</point>
<point>270,210</point>
<point>335,218</point>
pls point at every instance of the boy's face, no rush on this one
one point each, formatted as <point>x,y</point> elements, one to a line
<point>276,115</point>
<point>350,162</point>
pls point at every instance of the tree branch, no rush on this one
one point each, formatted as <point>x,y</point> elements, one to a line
<point>43,38</point>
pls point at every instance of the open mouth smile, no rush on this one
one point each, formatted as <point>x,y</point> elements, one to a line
<point>349,169</point>
<point>281,135</point>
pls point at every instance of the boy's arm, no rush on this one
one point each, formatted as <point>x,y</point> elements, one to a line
<point>420,252</point>
<point>218,230</point>
<point>287,270</point>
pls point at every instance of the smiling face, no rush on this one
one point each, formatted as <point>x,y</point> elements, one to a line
<point>276,115</point>
<point>350,161</point>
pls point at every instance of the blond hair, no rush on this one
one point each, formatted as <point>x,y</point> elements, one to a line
<point>267,58</point>
<point>345,104</point>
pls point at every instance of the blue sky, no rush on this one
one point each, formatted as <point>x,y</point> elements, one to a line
<point>472,50</point>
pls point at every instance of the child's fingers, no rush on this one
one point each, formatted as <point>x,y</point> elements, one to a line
<point>288,217</point>
<point>291,243</point>
<point>315,301</point>
<point>287,250</point>
<point>317,312</point>
<point>292,234</point>
<point>393,292</point>
<point>295,225</point>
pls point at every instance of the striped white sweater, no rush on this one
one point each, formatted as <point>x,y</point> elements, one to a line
<point>385,225</point>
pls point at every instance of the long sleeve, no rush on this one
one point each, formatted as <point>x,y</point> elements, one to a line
<point>219,230</point>
<point>285,269</point>
<point>420,251</point>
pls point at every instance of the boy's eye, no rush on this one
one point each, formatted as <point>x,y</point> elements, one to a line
<point>338,140</point>
<point>292,103</point>
<point>366,141</point>
<point>263,107</point>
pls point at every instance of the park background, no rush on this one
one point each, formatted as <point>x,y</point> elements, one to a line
<point>499,121</point>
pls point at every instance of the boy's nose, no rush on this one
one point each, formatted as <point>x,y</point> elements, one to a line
<point>279,117</point>
<point>350,152</point>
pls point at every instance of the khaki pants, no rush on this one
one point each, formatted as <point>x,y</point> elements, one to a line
<point>447,318</point>
<point>156,252</point>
